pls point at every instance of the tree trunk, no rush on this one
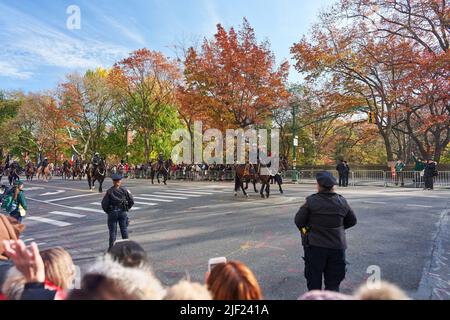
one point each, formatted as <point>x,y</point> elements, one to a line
<point>147,146</point>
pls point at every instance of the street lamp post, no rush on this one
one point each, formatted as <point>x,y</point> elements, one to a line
<point>294,143</point>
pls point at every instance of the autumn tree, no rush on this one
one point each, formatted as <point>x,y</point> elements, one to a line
<point>353,59</point>
<point>233,78</point>
<point>149,80</point>
<point>89,102</point>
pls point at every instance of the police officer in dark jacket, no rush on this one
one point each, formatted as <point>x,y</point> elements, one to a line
<point>340,168</point>
<point>116,203</point>
<point>322,221</point>
<point>429,174</point>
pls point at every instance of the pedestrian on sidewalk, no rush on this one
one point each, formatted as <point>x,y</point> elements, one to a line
<point>322,221</point>
<point>340,168</point>
<point>399,167</point>
<point>116,203</point>
<point>429,174</point>
<point>346,173</point>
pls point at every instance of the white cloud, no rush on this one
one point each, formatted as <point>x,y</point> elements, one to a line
<point>28,44</point>
<point>10,71</point>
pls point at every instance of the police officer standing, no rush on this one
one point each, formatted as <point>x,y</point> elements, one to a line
<point>116,203</point>
<point>322,221</point>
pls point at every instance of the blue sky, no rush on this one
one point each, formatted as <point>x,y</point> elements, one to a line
<point>37,49</point>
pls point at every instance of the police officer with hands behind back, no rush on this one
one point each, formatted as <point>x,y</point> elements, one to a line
<point>116,203</point>
<point>322,221</point>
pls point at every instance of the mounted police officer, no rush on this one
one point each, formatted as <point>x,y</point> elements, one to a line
<point>44,164</point>
<point>116,203</point>
<point>160,161</point>
<point>95,161</point>
<point>322,221</point>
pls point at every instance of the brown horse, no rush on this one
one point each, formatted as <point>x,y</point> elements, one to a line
<point>276,178</point>
<point>47,173</point>
<point>67,171</point>
<point>77,171</point>
<point>242,176</point>
<point>30,170</point>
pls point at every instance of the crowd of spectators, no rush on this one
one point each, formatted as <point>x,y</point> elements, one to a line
<point>125,273</point>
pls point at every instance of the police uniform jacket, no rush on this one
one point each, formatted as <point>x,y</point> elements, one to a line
<point>117,199</point>
<point>323,220</point>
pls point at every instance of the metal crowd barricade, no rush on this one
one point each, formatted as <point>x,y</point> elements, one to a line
<point>367,177</point>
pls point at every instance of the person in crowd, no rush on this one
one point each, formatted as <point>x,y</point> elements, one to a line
<point>98,287</point>
<point>186,290</point>
<point>28,261</point>
<point>322,221</point>
<point>382,291</point>
<point>116,203</point>
<point>13,284</point>
<point>325,295</point>
<point>340,168</point>
<point>59,275</point>
<point>136,281</point>
<point>419,167</point>
<point>346,173</point>
<point>233,281</point>
<point>10,229</point>
<point>130,254</point>
<point>399,167</point>
<point>60,271</point>
<point>429,174</point>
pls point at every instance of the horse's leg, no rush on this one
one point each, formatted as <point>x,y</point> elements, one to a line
<point>243,190</point>
<point>157,177</point>
<point>254,185</point>
<point>100,189</point>
<point>279,181</point>
<point>268,190</point>
<point>262,189</point>
<point>152,176</point>
<point>165,179</point>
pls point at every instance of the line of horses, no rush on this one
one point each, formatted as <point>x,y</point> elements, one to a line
<point>243,174</point>
<point>258,173</point>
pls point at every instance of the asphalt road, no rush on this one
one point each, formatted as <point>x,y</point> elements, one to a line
<point>184,224</point>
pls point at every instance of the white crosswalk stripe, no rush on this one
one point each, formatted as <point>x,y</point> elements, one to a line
<point>179,194</point>
<point>200,193</point>
<point>164,197</point>
<point>68,214</point>
<point>50,221</point>
<point>148,198</point>
<point>71,197</point>
<point>99,204</point>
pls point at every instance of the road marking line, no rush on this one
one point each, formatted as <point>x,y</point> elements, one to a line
<point>146,203</point>
<point>88,209</point>
<point>178,194</point>
<point>193,192</point>
<point>53,193</point>
<point>33,189</point>
<point>99,204</point>
<point>28,240</point>
<point>71,197</point>
<point>374,202</point>
<point>200,190</point>
<point>418,205</point>
<point>50,221</point>
<point>68,214</point>
<point>165,197</point>
<point>153,199</point>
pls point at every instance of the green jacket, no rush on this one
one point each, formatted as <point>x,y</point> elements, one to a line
<point>399,167</point>
<point>420,166</point>
<point>21,200</point>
